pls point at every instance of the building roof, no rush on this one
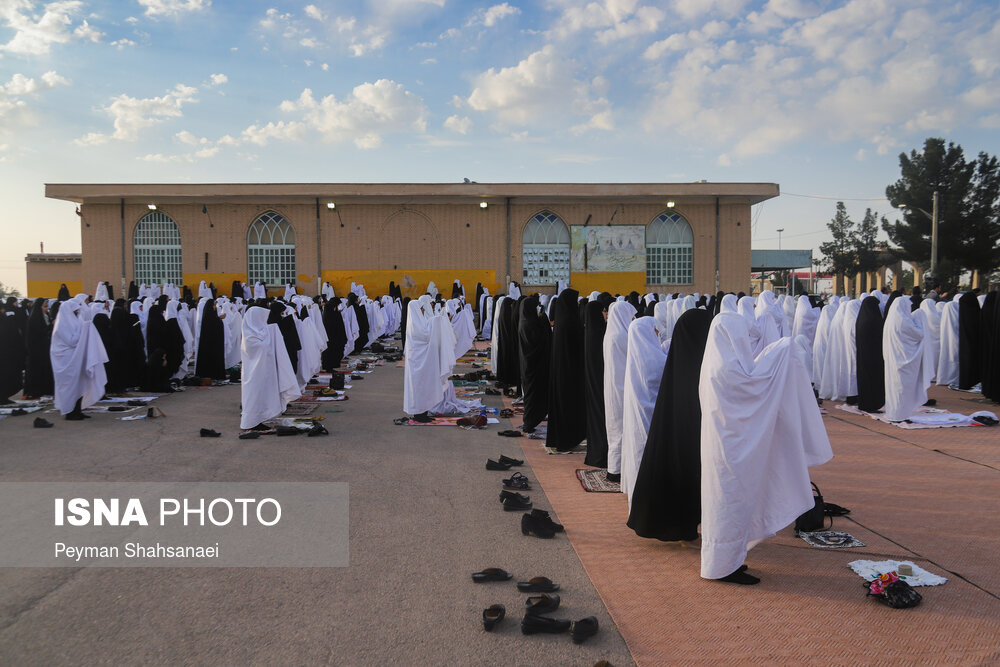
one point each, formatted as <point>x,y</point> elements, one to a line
<point>765,260</point>
<point>198,193</point>
<point>53,257</point>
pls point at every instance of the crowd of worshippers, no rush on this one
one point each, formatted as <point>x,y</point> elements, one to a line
<point>705,408</point>
<point>83,348</point>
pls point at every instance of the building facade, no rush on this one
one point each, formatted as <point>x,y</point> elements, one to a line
<point>606,236</point>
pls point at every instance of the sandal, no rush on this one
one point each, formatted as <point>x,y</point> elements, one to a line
<point>517,482</point>
<point>537,585</point>
<point>493,615</point>
<point>510,434</point>
<point>491,574</point>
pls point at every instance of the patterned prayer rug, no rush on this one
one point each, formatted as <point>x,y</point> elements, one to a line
<point>594,481</point>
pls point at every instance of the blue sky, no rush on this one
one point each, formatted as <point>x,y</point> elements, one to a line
<point>818,96</point>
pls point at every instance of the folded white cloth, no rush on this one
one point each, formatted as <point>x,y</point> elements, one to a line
<point>869,569</point>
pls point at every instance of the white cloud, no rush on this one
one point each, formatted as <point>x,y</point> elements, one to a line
<point>14,109</point>
<point>325,67</point>
<point>34,34</point>
<point>173,7</point>
<point>87,31</point>
<point>611,20</point>
<point>690,9</point>
<point>121,44</point>
<point>218,79</point>
<point>131,115</point>
<point>314,12</point>
<point>460,124</point>
<point>369,112</point>
<point>539,89</point>
<point>491,16</point>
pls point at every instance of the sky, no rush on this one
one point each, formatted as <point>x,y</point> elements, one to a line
<point>817,96</point>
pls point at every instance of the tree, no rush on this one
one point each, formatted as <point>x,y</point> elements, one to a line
<point>968,225</point>
<point>8,292</point>
<point>866,251</point>
<point>841,252</point>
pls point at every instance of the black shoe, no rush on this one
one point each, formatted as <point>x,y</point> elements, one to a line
<point>509,461</point>
<point>250,435</point>
<point>533,623</point>
<point>76,416</point>
<point>613,477</point>
<point>515,505</point>
<point>42,423</point>
<point>532,526</point>
<point>491,574</point>
<point>584,629</point>
<point>209,433</point>
<point>543,517</point>
<point>492,616</point>
<point>495,465</point>
<point>541,604</point>
<point>317,429</point>
<point>520,497</point>
<point>537,585</point>
<point>423,418</point>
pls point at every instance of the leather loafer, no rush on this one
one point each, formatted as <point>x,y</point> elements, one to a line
<point>209,433</point>
<point>496,465</point>
<point>515,504</point>
<point>584,629</point>
<point>491,574</point>
<point>543,517</point>
<point>520,497</point>
<point>42,423</point>
<point>531,526</point>
<point>493,615</point>
<point>533,623</point>
<point>509,461</point>
<point>541,604</point>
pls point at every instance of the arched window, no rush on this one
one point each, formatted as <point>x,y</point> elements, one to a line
<point>669,250</point>
<point>271,250</point>
<point>545,250</point>
<point>156,248</point>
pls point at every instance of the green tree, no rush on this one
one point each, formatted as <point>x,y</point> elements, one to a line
<point>968,225</point>
<point>866,250</point>
<point>841,253</point>
<point>8,291</point>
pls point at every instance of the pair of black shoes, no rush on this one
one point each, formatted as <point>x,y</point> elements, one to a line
<point>581,630</point>
<point>503,463</point>
<point>540,524</point>
<point>515,502</point>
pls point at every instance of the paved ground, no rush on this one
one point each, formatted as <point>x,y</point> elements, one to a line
<point>424,515</point>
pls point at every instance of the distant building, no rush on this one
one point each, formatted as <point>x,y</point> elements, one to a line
<point>48,271</point>
<point>688,236</point>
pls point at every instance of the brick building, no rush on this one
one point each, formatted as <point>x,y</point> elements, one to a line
<point>610,236</point>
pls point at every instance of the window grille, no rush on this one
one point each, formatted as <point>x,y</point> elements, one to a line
<point>156,247</point>
<point>545,250</point>
<point>669,251</point>
<point>271,250</point>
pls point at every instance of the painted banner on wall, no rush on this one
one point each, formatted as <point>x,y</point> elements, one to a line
<point>607,248</point>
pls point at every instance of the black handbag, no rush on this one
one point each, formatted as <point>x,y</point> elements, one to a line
<point>812,519</point>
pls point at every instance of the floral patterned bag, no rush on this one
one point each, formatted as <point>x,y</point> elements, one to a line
<point>892,591</point>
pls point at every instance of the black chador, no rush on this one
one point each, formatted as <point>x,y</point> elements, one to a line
<point>63,293</point>
<point>135,372</point>
<point>969,344</point>
<point>666,500</point>
<point>402,322</point>
<point>286,325</point>
<point>103,326</point>
<point>133,291</point>
<point>594,326</point>
<point>871,365</point>
<point>333,323</point>
<point>211,360</point>
<point>508,358</point>
<point>12,351</point>
<point>363,326</point>
<point>534,334</point>
<point>118,353</point>
<point>38,379</point>
<point>567,403</point>
<point>990,337</point>
<point>478,305</point>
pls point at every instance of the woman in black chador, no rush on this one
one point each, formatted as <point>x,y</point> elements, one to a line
<point>594,326</point>
<point>871,365</point>
<point>363,325</point>
<point>969,345</point>
<point>286,325</point>
<point>567,403</point>
<point>988,334</point>
<point>211,360</point>
<point>666,500</point>
<point>508,357</point>
<point>333,322</point>
<point>38,370</point>
<point>534,334</point>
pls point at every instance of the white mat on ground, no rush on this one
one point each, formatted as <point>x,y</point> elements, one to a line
<point>922,418</point>
<point>869,569</point>
<point>126,399</point>
<point>27,409</point>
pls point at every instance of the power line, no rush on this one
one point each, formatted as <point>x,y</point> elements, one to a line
<point>793,194</point>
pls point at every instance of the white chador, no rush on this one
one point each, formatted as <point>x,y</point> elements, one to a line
<point>430,357</point>
<point>495,334</point>
<point>745,308</point>
<point>840,369</point>
<point>643,370</point>
<point>906,375</point>
<point>947,369</point>
<point>461,322</point>
<point>78,357</point>
<point>755,451</point>
<point>821,341</point>
<point>620,316</point>
<point>932,335</point>
<point>268,382</point>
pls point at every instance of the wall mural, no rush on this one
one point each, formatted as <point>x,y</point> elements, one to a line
<point>611,248</point>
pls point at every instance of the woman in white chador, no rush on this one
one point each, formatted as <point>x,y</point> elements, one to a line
<point>755,451</point>
<point>78,357</point>
<point>268,382</point>
<point>906,373</point>
<point>620,316</point>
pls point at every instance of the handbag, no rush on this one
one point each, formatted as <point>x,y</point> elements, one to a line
<point>812,519</point>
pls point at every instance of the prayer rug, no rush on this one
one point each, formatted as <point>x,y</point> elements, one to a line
<point>978,389</point>
<point>595,481</point>
<point>295,409</point>
<point>579,449</point>
<point>869,569</point>
<point>830,539</point>
<point>25,410</point>
<point>922,418</point>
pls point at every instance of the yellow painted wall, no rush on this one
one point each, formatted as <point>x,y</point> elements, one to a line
<point>49,289</point>
<point>412,283</point>
<point>607,281</point>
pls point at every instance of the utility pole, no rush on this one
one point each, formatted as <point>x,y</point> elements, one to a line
<point>934,237</point>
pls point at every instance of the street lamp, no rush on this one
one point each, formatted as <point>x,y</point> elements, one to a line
<point>779,237</point>
<point>933,216</point>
